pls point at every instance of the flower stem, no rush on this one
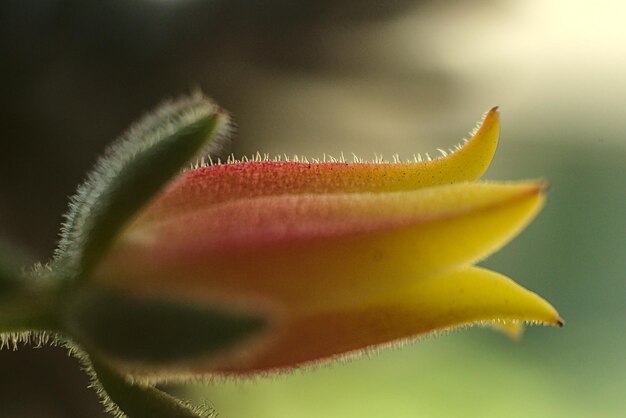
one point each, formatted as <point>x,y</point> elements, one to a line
<point>28,310</point>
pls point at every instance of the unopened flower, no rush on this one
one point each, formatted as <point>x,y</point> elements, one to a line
<point>255,266</point>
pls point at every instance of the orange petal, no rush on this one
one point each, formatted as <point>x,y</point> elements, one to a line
<point>464,297</point>
<point>219,183</point>
<point>308,250</point>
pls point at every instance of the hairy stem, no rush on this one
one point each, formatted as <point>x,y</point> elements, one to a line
<point>28,310</point>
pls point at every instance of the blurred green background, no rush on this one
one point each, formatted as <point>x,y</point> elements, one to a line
<point>323,77</point>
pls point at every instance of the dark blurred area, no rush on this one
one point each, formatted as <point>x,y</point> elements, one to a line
<point>365,76</point>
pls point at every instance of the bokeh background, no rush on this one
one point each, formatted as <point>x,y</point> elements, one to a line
<point>304,77</point>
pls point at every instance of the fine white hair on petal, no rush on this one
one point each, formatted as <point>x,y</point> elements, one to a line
<point>326,158</point>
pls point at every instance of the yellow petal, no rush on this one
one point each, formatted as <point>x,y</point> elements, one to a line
<point>465,297</point>
<point>309,250</point>
<point>214,184</point>
<point>512,329</point>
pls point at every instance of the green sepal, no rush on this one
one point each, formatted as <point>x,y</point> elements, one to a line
<point>133,400</point>
<point>154,332</point>
<point>132,171</point>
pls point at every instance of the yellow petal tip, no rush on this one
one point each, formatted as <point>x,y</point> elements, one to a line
<point>512,329</point>
<point>473,158</point>
<point>490,122</point>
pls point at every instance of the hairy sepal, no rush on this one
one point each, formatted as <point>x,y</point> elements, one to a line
<point>152,334</point>
<point>131,171</point>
